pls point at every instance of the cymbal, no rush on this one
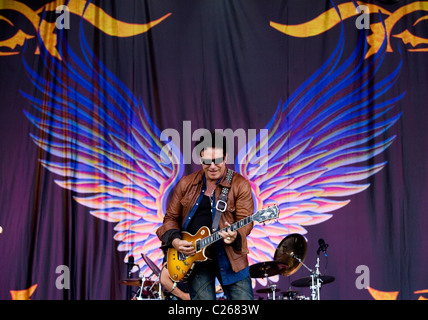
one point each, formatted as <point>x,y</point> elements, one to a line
<point>151,264</point>
<point>131,282</point>
<point>307,282</point>
<point>267,290</point>
<point>136,282</point>
<point>266,269</point>
<point>294,244</point>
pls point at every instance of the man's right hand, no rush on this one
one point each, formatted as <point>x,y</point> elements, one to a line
<point>184,247</point>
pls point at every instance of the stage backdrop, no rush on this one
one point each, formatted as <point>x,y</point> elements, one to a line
<point>101,102</point>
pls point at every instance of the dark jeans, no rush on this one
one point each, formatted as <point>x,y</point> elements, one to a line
<point>202,285</point>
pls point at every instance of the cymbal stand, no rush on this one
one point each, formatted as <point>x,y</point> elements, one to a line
<point>271,286</point>
<point>140,291</point>
<point>316,287</point>
<point>158,295</point>
<point>315,278</point>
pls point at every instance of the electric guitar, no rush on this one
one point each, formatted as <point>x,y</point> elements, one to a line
<point>180,266</point>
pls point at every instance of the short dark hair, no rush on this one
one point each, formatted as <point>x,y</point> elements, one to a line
<point>213,140</point>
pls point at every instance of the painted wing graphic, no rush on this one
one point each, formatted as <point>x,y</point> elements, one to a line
<point>318,145</point>
<point>104,146</point>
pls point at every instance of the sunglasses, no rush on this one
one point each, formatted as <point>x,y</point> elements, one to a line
<point>209,161</point>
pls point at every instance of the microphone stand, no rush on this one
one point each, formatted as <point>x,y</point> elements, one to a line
<point>130,264</point>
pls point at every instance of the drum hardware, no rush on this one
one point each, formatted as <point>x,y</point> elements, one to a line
<point>288,258</point>
<point>293,295</point>
<point>265,270</point>
<point>270,289</point>
<point>315,280</point>
<point>283,264</point>
<point>290,295</point>
<point>306,282</point>
<point>148,289</point>
<point>267,290</point>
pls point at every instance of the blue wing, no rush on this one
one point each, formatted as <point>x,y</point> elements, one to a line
<point>319,146</point>
<point>104,147</point>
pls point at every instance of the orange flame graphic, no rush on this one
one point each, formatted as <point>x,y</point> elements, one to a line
<point>330,18</point>
<point>23,294</point>
<point>93,14</point>
<point>392,295</point>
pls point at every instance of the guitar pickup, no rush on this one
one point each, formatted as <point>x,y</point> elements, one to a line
<point>181,256</point>
<point>198,245</point>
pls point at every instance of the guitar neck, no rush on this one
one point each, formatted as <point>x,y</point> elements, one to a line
<point>205,242</point>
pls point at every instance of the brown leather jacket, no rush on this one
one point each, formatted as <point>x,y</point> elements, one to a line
<point>239,206</point>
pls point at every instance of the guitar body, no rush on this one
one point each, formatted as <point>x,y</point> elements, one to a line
<point>180,266</point>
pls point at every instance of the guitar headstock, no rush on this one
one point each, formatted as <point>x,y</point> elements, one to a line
<point>266,214</point>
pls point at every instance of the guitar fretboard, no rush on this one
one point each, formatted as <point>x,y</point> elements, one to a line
<point>205,242</point>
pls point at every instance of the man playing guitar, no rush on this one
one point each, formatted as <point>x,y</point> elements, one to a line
<point>195,204</point>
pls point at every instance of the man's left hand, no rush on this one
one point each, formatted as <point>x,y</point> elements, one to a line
<point>228,236</point>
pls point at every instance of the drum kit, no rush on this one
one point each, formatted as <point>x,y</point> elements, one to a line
<point>148,288</point>
<point>288,258</point>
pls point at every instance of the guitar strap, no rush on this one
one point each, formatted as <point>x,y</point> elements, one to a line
<point>221,204</point>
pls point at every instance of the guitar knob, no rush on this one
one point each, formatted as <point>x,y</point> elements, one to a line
<point>177,267</point>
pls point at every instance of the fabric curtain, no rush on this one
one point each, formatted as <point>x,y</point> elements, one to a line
<point>324,106</point>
